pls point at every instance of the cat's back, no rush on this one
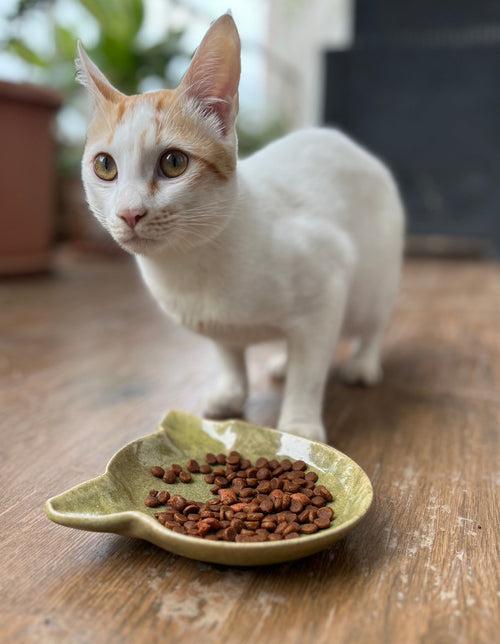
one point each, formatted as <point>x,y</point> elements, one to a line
<point>311,154</point>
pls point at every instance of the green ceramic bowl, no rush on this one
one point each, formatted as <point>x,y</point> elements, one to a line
<point>114,501</point>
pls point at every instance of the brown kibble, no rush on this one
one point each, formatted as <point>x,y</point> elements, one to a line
<point>263,474</point>
<point>254,516</point>
<point>170,476</point>
<point>266,502</point>
<point>246,492</point>
<point>303,517</point>
<point>163,497</point>
<point>267,505</point>
<point>227,496</point>
<point>275,483</point>
<point>325,512</point>
<point>180,518</point>
<point>320,490</point>
<point>243,538</point>
<point>178,502</point>
<point>229,534</point>
<point>162,517</point>
<point>192,466</point>
<point>300,496</point>
<point>251,525</point>
<point>238,483</point>
<point>264,487</point>
<point>281,527</point>
<point>291,527</point>
<point>322,522</point>
<point>296,506</point>
<point>185,477</point>
<point>237,524</point>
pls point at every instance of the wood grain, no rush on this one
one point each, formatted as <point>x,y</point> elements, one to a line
<point>87,363</point>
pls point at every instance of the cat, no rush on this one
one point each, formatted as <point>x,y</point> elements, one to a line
<point>301,241</point>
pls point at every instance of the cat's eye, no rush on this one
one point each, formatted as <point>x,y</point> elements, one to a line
<point>173,163</point>
<point>105,167</point>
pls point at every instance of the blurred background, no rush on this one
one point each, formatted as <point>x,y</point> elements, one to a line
<point>415,82</point>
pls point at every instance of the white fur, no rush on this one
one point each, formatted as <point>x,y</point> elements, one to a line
<point>303,242</point>
<point>312,249</point>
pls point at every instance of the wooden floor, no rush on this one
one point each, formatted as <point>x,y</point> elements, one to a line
<point>87,363</point>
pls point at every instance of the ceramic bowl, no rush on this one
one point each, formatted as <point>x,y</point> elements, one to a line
<point>114,501</point>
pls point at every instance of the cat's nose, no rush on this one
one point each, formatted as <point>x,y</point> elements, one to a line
<point>132,216</point>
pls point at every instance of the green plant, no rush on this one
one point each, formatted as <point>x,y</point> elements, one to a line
<point>118,51</point>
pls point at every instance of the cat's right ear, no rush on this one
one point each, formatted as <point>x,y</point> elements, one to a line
<point>214,73</point>
<point>91,77</point>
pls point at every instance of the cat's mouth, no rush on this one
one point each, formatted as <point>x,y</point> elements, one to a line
<point>136,243</point>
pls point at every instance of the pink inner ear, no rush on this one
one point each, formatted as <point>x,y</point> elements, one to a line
<point>213,76</point>
<point>222,109</point>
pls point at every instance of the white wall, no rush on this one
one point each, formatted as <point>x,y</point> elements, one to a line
<point>298,33</point>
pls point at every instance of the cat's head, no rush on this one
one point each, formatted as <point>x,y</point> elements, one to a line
<point>158,168</point>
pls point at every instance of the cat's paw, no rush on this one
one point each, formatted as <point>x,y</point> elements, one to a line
<point>312,431</point>
<point>360,372</point>
<point>276,366</point>
<point>225,403</point>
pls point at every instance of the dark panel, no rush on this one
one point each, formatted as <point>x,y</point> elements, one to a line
<point>387,19</point>
<point>433,114</point>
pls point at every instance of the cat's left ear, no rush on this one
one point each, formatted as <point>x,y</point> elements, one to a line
<point>214,73</point>
<point>91,77</point>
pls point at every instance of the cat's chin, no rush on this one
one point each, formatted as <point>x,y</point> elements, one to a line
<point>141,246</point>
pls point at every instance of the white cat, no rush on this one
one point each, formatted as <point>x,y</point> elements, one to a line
<point>302,241</point>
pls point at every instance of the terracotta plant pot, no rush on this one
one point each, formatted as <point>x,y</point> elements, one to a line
<point>27,177</point>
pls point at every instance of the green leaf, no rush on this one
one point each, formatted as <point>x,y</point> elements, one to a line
<point>24,52</point>
<point>65,42</point>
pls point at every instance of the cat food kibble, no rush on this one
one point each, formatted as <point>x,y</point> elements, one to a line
<point>265,501</point>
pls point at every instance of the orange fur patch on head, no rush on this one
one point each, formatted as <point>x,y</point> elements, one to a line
<point>174,120</point>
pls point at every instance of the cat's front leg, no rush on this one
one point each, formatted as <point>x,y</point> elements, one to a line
<point>311,346</point>
<point>229,396</point>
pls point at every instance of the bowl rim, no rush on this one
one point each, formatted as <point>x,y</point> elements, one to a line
<point>115,520</point>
